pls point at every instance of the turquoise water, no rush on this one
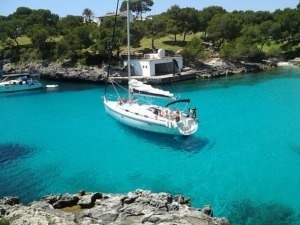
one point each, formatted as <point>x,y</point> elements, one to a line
<point>247,148</point>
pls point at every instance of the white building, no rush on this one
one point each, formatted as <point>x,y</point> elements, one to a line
<point>156,64</point>
<point>102,18</point>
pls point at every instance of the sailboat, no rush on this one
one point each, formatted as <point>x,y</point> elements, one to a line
<point>133,112</point>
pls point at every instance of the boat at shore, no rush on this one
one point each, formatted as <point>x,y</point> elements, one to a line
<point>20,82</point>
<point>137,109</point>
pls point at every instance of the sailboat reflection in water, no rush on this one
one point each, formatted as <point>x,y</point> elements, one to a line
<point>138,111</point>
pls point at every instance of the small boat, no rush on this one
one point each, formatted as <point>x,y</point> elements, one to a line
<point>51,86</point>
<point>23,82</point>
<point>143,114</point>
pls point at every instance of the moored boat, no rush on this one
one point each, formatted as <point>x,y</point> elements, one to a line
<point>12,83</point>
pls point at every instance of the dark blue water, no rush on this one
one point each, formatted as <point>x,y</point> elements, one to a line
<point>245,154</point>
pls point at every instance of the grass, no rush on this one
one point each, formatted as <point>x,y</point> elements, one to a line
<point>4,222</point>
<point>24,40</point>
<point>272,46</point>
<point>167,43</point>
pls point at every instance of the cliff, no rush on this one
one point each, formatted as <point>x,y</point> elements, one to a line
<point>214,68</point>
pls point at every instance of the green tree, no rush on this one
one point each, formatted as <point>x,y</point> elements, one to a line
<point>106,32</point>
<point>155,28</point>
<point>38,35</point>
<point>194,50</point>
<point>88,15</point>
<point>189,21</point>
<point>139,7</point>
<point>172,18</point>
<point>289,20</point>
<point>22,13</point>
<point>12,30</point>
<point>223,27</point>
<point>269,30</point>
<point>242,48</point>
<point>68,23</point>
<point>206,15</point>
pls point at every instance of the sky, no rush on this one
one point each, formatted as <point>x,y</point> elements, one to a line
<point>101,7</point>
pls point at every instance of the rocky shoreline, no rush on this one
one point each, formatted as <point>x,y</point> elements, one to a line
<point>133,208</point>
<point>213,68</point>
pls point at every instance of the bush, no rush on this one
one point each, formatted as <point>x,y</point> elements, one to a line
<point>194,50</point>
<point>241,49</point>
<point>4,222</point>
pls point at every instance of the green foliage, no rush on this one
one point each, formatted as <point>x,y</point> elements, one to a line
<point>139,7</point>
<point>106,32</point>
<point>194,50</point>
<point>88,15</point>
<point>38,35</point>
<point>4,221</point>
<point>241,49</point>
<point>224,27</point>
<point>240,35</point>
<point>68,23</point>
<point>155,28</point>
<point>206,15</point>
<point>29,54</point>
<point>249,213</point>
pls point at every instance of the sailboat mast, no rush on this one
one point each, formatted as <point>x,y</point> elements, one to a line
<point>128,47</point>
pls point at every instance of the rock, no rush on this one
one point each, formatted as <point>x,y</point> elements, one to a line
<point>130,198</point>
<point>40,205</point>
<point>66,201</point>
<point>174,206</point>
<point>51,199</point>
<point>8,68</point>
<point>182,200</point>
<point>81,193</point>
<point>2,211</point>
<point>207,210</point>
<point>11,201</point>
<point>89,200</point>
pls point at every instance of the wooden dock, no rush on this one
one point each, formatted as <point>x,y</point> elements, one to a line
<point>159,79</point>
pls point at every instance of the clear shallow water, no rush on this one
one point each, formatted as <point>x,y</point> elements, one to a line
<point>247,147</point>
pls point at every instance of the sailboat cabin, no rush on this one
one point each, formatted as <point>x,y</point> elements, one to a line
<point>156,64</point>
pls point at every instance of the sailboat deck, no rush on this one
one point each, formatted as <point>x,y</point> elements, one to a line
<point>159,79</point>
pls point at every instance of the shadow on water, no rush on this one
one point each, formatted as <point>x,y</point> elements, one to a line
<point>247,79</point>
<point>22,180</point>
<point>63,86</point>
<point>247,212</point>
<point>295,148</point>
<point>190,144</point>
<point>14,151</point>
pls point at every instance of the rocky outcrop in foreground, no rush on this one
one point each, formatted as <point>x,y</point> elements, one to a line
<point>133,208</point>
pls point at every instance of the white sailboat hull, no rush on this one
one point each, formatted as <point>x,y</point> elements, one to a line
<point>23,87</point>
<point>137,116</point>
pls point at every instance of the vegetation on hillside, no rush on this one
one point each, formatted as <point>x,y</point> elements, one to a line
<point>30,34</point>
